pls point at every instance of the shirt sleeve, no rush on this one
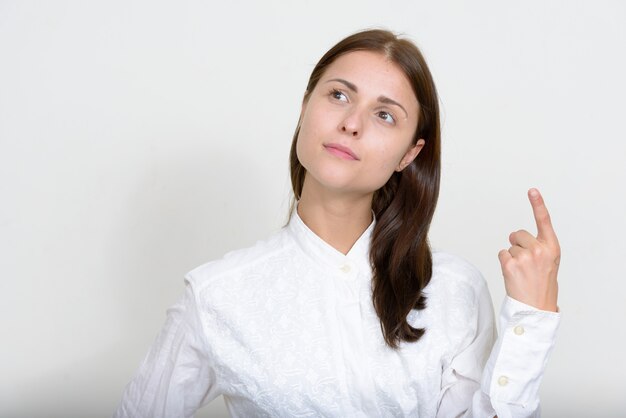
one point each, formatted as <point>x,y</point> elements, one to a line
<point>486,379</point>
<point>176,377</point>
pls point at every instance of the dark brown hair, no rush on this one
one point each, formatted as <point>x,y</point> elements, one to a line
<point>399,253</point>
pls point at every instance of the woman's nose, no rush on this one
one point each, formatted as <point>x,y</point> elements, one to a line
<point>351,124</point>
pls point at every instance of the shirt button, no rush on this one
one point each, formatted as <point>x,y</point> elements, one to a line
<point>518,330</point>
<point>345,268</point>
<point>503,380</point>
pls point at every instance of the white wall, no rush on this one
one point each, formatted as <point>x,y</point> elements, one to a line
<point>139,139</point>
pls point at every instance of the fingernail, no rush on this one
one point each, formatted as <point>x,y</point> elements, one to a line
<point>534,193</point>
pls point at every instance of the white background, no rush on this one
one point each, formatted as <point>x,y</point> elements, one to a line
<point>139,139</point>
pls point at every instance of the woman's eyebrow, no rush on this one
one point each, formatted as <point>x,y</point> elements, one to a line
<point>387,100</point>
<point>381,99</point>
<point>346,83</point>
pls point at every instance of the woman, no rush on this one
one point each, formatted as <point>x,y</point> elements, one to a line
<point>346,312</point>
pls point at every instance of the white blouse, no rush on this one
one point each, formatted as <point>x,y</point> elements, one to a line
<point>287,328</point>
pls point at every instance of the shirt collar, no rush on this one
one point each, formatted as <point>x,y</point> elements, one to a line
<point>323,253</point>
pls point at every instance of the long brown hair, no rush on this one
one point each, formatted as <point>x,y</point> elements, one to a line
<point>400,254</point>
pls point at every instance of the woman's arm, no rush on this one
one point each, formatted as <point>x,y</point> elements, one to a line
<point>176,377</point>
<point>485,379</point>
<point>514,365</point>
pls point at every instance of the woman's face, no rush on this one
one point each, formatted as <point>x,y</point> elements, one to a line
<point>358,124</point>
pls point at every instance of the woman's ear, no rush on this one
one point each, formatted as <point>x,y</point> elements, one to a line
<point>410,154</point>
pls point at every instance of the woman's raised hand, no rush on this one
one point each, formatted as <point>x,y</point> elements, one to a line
<point>530,265</point>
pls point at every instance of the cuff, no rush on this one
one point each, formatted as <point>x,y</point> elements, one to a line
<point>514,370</point>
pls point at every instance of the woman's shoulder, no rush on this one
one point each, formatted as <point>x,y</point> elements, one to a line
<point>240,262</point>
<point>457,303</point>
<point>453,272</point>
<point>456,293</point>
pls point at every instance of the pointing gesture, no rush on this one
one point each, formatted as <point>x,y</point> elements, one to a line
<point>530,265</point>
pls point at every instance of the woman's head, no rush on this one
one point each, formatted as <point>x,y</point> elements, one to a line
<point>405,187</point>
<point>404,61</point>
<point>357,126</point>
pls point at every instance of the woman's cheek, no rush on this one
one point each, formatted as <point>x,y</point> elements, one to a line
<point>388,161</point>
<point>301,152</point>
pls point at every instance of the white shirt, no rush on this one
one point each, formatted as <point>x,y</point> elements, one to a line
<point>287,328</point>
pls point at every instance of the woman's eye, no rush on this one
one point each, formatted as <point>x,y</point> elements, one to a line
<point>336,94</point>
<point>386,116</point>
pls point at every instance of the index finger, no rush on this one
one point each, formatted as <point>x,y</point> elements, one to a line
<point>545,232</point>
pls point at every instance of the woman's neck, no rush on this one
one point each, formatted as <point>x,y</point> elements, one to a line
<point>338,219</point>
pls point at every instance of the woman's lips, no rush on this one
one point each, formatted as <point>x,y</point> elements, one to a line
<point>341,151</point>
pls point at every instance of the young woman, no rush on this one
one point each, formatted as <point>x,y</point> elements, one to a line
<point>345,312</point>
